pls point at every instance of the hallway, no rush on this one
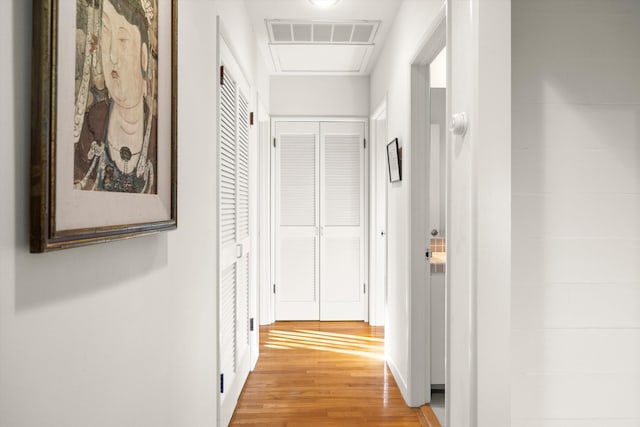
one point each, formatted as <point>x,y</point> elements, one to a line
<point>323,374</point>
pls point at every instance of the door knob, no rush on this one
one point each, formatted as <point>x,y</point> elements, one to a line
<point>382,233</point>
<point>434,232</point>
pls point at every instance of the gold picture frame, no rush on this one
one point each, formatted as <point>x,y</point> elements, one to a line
<point>87,185</point>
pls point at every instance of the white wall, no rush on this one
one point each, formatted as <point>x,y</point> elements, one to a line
<point>319,96</point>
<point>576,210</point>
<point>391,79</point>
<point>438,70</point>
<point>81,342</point>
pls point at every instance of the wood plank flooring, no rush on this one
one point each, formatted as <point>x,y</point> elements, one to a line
<point>323,374</point>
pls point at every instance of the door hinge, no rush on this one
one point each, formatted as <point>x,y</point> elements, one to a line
<point>274,143</point>
<point>221,383</point>
<point>364,143</point>
<point>221,75</point>
<point>364,288</point>
<point>274,288</point>
<point>251,118</point>
<point>251,324</point>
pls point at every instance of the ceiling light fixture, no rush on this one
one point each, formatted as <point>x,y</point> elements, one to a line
<point>324,3</point>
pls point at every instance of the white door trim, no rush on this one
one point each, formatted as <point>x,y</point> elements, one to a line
<point>377,285</point>
<point>479,215</point>
<point>260,286</point>
<point>266,296</point>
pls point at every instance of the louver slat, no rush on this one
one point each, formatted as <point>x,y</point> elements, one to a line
<point>243,302</point>
<point>297,180</point>
<point>243,167</point>
<point>229,323</point>
<point>228,220</point>
<point>342,180</point>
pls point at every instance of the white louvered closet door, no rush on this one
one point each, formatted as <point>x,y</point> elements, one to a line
<point>342,221</point>
<point>235,235</point>
<point>320,221</point>
<point>296,218</point>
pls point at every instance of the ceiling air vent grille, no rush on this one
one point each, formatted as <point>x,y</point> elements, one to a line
<point>281,33</point>
<point>321,32</point>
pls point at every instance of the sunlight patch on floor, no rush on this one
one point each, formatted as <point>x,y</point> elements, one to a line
<point>372,348</point>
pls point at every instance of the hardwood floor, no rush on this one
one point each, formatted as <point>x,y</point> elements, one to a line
<point>323,374</point>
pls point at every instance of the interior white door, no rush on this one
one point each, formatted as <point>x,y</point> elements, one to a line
<point>297,274</point>
<point>235,234</point>
<point>342,221</point>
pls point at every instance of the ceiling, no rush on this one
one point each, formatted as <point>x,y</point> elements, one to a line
<point>297,38</point>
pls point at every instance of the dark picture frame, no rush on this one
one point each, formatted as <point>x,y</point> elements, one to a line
<point>69,212</point>
<point>394,161</point>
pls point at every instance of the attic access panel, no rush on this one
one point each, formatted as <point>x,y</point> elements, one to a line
<point>320,58</point>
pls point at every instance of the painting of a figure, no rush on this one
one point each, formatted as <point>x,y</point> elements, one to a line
<point>115,120</point>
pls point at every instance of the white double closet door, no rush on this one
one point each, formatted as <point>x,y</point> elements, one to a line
<point>320,220</point>
<point>234,214</point>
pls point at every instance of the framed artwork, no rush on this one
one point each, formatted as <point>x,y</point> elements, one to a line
<point>394,160</point>
<point>103,121</point>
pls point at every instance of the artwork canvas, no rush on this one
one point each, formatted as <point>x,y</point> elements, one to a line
<point>115,121</point>
<point>104,121</point>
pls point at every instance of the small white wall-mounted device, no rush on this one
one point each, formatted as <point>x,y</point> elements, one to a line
<point>459,124</point>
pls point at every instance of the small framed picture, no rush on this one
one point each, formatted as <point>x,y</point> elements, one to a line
<point>394,160</point>
<point>103,143</point>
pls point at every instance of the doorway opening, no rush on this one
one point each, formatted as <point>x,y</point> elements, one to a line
<point>437,226</point>
<point>429,197</point>
<point>305,238</point>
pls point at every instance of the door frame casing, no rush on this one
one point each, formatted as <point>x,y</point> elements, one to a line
<point>262,234</point>
<point>479,56</point>
<point>377,285</point>
<point>269,300</point>
<point>265,296</point>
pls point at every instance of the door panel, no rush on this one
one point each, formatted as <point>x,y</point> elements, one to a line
<point>228,329</point>
<point>298,275</point>
<point>235,235</point>
<point>342,288</point>
<point>243,167</point>
<point>228,164</point>
<point>297,245</point>
<point>228,196</point>
<point>298,284</point>
<point>341,183</point>
<point>342,292</point>
<point>298,160</point>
